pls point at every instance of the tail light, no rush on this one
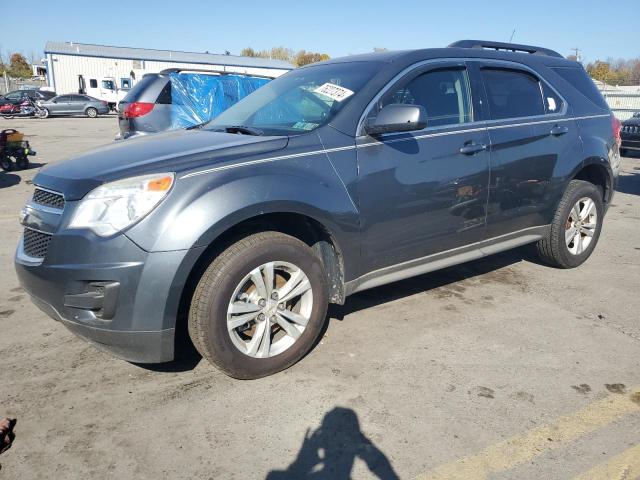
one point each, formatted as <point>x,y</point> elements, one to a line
<point>137,109</point>
<point>616,126</point>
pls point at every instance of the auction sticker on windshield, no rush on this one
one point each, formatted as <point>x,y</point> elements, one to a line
<point>334,92</point>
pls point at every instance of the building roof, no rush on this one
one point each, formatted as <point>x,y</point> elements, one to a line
<point>107,51</point>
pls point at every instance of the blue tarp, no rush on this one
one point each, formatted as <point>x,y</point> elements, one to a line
<point>198,97</point>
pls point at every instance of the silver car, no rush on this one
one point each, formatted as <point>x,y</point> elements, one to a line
<point>75,104</point>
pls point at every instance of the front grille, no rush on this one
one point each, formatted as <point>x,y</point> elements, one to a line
<point>47,198</point>
<point>35,244</point>
<point>631,129</point>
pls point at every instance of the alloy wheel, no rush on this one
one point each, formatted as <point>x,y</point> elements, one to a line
<point>269,309</point>
<point>581,225</point>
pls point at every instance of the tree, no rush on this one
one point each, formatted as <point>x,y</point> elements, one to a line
<point>18,66</point>
<point>300,58</point>
<point>305,58</point>
<point>635,72</point>
<point>599,71</point>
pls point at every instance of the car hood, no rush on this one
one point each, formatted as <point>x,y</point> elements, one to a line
<point>175,151</point>
<point>635,121</point>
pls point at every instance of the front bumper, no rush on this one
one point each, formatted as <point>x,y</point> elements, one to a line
<point>127,307</point>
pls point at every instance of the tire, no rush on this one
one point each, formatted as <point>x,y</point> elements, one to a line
<point>573,250</point>
<point>220,285</point>
<point>6,164</point>
<point>44,113</point>
<point>8,117</point>
<point>91,112</point>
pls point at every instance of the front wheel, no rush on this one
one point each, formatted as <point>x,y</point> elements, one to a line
<point>260,305</point>
<point>8,117</point>
<point>91,112</point>
<point>576,226</point>
<point>42,113</point>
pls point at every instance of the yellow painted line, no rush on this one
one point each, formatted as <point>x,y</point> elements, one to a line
<point>532,443</point>
<point>625,466</point>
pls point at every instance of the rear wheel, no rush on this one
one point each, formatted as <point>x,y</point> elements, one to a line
<point>576,226</point>
<point>91,112</point>
<point>260,305</point>
<point>6,164</point>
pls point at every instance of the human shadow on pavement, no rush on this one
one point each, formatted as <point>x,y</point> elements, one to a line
<point>330,451</point>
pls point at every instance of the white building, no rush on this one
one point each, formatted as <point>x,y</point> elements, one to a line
<point>67,61</point>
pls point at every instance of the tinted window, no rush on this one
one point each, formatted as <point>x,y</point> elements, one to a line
<point>165,95</point>
<point>512,94</point>
<point>76,98</point>
<point>63,98</point>
<point>581,81</point>
<point>444,94</point>
<point>137,93</point>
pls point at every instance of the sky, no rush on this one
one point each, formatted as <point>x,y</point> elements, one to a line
<point>600,29</point>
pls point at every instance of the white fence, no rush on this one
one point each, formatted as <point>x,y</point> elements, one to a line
<point>8,84</point>
<point>622,104</point>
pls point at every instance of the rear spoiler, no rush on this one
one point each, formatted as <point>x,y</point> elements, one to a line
<point>508,47</point>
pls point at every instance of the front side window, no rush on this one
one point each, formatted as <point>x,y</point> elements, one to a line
<point>300,101</point>
<point>512,93</point>
<point>444,94</point>
<point>108,85</point>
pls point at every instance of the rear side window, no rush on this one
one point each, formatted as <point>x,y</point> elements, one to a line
<point>512,93</point>
<point>93,83</point>
<point>444,94</point>
<point>581,81</point>
<point>165,95</point>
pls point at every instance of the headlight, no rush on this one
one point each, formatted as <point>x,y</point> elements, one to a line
<point>114,206</point>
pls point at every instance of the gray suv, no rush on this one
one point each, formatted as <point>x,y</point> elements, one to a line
<point>332,179</point>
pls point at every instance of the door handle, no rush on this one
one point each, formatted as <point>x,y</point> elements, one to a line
<point>558,130</point>
<point>473,148</point>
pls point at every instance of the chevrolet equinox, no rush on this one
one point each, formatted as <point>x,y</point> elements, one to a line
<point>332,179</point>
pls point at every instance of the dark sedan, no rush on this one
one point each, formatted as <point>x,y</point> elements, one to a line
<point>630,134</point>
<point>74,104</point>
<point>17,96</point>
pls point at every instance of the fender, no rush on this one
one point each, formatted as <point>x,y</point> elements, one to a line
<point>203,207</point>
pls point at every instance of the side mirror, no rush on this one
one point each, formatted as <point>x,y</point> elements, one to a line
<point>398,117</point>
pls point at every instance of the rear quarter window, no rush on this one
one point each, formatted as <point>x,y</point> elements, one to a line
<point>581,82</point>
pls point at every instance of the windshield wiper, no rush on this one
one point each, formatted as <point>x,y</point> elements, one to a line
<point>196,126</point>
<point>241,129</point>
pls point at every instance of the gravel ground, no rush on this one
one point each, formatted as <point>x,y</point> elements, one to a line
<point>501,367</point>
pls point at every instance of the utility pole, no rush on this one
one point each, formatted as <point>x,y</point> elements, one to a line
<point>577,50</point>
<point>512,34</point>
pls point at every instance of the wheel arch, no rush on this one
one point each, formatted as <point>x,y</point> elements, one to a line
<point>596,170</point>
<point>310,230</point>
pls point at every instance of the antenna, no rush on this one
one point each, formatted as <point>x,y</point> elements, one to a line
<point>512,34</point>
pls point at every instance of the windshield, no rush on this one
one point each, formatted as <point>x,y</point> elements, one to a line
<point>300,101</point>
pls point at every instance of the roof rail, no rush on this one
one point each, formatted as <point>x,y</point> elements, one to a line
<point>510,47</point>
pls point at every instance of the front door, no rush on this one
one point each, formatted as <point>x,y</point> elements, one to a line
<point>424,192</point>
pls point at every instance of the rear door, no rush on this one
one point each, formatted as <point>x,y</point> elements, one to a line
<point>419,192</point>
<point>76,104</point>
<point>534,141</point>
